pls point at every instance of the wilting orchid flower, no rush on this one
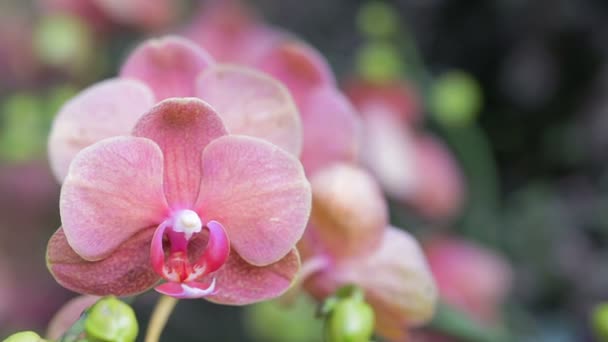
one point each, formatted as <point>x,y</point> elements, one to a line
<point>411,166</point>
<point>470,277</point>
<point>231,33</point>
<point>349,241</point>
<point>249,102</point>
<point>212,214</point>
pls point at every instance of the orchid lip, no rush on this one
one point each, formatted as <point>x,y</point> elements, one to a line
<point>174,264</point>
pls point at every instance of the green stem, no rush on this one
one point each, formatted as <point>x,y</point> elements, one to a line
<point>160,316</point>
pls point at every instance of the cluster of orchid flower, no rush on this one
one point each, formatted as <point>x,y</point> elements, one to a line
<point>236,182</point>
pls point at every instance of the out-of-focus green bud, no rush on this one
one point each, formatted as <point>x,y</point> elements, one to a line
<point>22,130</point>
<point>274,321</point>
<point>351,320</point>
<point>57,97</point>
<point>111,320</point>
<point>456,98</point>
<point>377,19</point>
<point>24,336</point>
<point>64,41</point>
<point>379,62</point>
<point>599,322</point>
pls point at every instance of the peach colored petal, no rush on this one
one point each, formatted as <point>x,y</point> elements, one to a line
<point>349,213</point>
<point>331,129</point>
<point>104,110</point>
<point>125,272</point>
<point>239,283</point>
<point>112,191</point>
<point>168,65</point>
<point>252,103</point>
<point>396,280</point>
<point>182,128</point>
<point>258,192</point>
<point>69,313</point>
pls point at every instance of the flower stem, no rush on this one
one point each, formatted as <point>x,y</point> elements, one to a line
<point>160,316</point>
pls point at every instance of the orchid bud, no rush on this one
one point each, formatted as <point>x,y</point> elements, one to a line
<point>24,336</point>
<point>350,318</point>
<point>456,98</point>
<point>111,320</point>
<point>377,19</point>
<point>599,321</point>
<point>379,62</point>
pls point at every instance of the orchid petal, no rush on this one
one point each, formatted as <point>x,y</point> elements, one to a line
<point>239,283</point>
<point>396,279</point>
<point>349,212</point>
<point>217,249</point>
<point>252,103</point>
<point>125,272</point>
<point>169,65</point>
<point>182,128</point>
<point>331,129</point>
<point>104,110</point>
<point>258,192</point>
<point>112,191</point>
<point>189,290</point>
<point>299,66</point>
<point>69,313</point>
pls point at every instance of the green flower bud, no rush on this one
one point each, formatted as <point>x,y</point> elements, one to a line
<point>377,19</point>
<point>599,322</point>
<point>456,98</point>
<point>24,336</point>
<point>111,320</point>
<point>379,62</point>
<point>351,320</point>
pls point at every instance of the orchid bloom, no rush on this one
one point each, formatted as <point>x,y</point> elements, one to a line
<point>155,178</point>
<point>470,277</point>
<point>411,166</point>
<point>349,241</point>
<point>330,125</point>
<point>214,215</point>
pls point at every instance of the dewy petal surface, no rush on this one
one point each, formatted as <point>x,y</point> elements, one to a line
<point>252,103</point>
<point>240,283</point>
<point>125,272</point>
<point>331,129</point>
<point>104,110</point>
<point>112,191</point>
<point>258,192</point>
<point>349,213</point>
<point>168,65</point>
<point>182,128</point>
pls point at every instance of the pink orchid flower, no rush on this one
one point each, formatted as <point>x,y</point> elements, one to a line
<point>470,277</point>
<point>349,241</point>
<point>232,33</point>
<point>249,102</point>
<point>411,166</point>
<point>214,215</point>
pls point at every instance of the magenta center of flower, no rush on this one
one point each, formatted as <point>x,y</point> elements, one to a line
<point>170,257</point>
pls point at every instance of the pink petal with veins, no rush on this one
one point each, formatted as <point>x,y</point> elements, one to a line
<point>125,272</point>
<point>299,66</point>
<point>239,283</point>
<point>349,213</point>
<point>258,192</point>
<point>331,129</point>
<point>252,103</point>
<point>169,65</point>
<point>104,110</point>
<point>182,128</point>
<point>112,191</point>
